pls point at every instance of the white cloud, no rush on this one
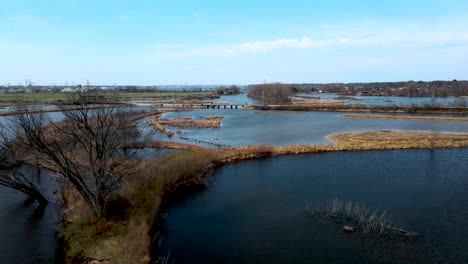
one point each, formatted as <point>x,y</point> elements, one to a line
<point>276,44</point>
<point>350,38</point>
<point>124,18</point>
<point>197,14</point>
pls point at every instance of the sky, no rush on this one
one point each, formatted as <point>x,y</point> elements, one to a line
<point>162,42</point>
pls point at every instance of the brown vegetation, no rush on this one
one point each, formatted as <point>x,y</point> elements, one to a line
<point>154,121</point>
<point>383,139</point>
<point>208,122</point>
<point>409,117</point>
<point>271,93</point>
<point>315,101</point>
<point>161,123</point>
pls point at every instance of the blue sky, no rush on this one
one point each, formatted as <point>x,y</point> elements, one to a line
<point>227,42</point>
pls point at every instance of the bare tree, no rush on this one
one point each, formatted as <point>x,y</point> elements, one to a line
<point>91,147</point>
<point>271,93</point>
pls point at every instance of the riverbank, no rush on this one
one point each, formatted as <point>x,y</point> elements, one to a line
<point>128,239</point>
<point>408,117</point>
<point>363,108</point>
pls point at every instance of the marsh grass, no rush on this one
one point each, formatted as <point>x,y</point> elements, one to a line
<point>208,122</point>
<point>370,222</point>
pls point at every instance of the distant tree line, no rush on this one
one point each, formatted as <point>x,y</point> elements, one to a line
<point>91,88</point>
<point>227,90</point>
<point>409,88</point>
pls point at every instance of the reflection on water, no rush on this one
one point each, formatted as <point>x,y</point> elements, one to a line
<point>27,233</point>
<point>253,212</point>
<point>392,100</point>
<point>244,127</point>
<point>241,98</point>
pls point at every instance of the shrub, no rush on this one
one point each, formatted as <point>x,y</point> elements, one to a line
<point>116,207</point>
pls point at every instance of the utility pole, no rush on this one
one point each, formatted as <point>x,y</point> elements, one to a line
<point>263,90</point>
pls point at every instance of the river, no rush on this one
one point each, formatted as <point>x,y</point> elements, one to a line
<point>393,100</point>
<point>253,211</point>
<point>244,127</point>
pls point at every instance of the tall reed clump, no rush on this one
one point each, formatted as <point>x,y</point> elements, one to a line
<point>369,222</point>
<point>208,122</point>
<point>155,123</point>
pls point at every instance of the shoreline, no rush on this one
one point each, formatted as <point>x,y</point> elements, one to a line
<point>174,175</point>
<point>361,108</point>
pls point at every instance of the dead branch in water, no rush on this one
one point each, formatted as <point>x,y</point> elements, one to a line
<point>358,216</point>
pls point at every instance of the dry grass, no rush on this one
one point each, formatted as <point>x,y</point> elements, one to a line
<point>316,101</point>
<point>173,145</point>
<point>161,124</point>
<point>368,140</point>
<point>155,123</point>
<point>409,117</point>
<point>208,122</point>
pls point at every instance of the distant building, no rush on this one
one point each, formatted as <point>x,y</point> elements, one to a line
<point>68,90</point>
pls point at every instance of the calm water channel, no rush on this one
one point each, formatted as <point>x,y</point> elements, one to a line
<point>253,211</point>
<point>28,234</point>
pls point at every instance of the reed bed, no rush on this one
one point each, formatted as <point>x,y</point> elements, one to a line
<point>316,101</point>
<point>172,145</point>
<point>161,124</point>
<point>154,121</point>
<point>359,216</point>
<point>208,122</point>
<point>384,139</point>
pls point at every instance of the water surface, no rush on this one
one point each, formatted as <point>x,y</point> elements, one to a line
<point>253,212</point>
<point>393,100</point>
<point>244,127</point>
<point>27,233</point>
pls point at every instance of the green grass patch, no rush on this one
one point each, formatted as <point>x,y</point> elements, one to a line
<point>55,97</point>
